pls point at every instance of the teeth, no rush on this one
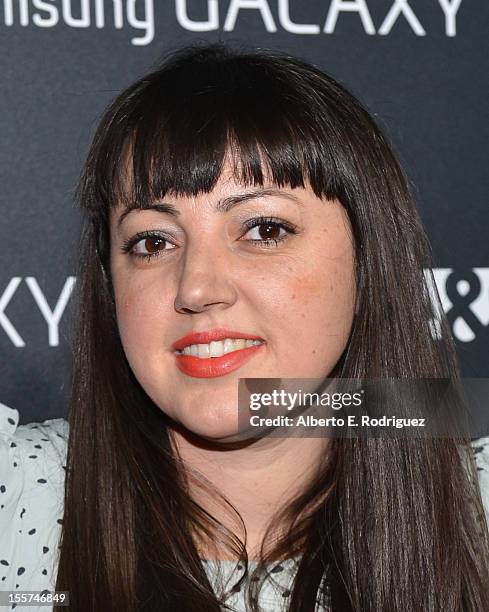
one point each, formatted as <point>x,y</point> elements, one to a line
<point>217,348</point>
<point>239,344</point>
<point>203,350</point>
<point>228,345</point>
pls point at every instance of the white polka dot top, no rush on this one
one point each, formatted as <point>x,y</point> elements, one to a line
<point>32,462</point>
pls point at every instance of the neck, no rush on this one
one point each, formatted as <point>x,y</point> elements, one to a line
<point>257,478</point>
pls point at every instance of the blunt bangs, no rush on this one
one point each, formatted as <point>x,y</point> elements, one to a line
<point>175,130</point>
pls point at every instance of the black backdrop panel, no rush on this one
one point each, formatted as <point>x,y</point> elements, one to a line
<point>421,67</point>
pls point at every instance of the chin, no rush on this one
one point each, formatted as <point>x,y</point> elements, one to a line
<point>212,423</point>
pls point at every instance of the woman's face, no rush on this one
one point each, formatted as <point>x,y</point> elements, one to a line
<point>193,265</point>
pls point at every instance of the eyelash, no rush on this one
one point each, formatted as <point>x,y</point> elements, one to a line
<point>257,221</point>
<point>129,244</point>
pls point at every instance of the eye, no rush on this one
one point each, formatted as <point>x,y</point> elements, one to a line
<point>147,245</point>
<point>267,231</point>
<point>151,246</point>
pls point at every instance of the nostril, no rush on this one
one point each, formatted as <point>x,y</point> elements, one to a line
<point>187,310</point>
<point>198,308</point>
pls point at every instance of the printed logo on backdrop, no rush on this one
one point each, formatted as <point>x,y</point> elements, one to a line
<point>139,15</point>
<point>464,296</point>
<point>51,315</point>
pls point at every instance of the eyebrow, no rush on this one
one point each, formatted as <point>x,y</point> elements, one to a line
<point>222,206</point>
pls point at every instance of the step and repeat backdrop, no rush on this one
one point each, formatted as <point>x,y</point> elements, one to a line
<point>420,66</point>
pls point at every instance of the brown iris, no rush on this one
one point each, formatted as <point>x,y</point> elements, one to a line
<point>153,245</point>
<point>269,231</point>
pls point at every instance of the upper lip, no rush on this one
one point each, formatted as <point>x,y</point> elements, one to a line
<point>205,337</point>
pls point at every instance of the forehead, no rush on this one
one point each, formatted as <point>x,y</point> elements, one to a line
<point>229,190</point>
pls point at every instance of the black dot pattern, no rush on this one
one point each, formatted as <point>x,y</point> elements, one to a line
<point>32,471</point>
<point>275,591</point>
<point>31,494</point>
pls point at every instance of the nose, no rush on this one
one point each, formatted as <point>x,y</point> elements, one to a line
<point>204,281</point>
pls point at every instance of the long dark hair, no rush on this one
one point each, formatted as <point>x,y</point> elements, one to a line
<point>388,524</point>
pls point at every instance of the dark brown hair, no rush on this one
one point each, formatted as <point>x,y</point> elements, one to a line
<point>389,524</point>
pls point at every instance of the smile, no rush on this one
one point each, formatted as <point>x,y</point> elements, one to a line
<point>214,352</point>
<point>218,348</point>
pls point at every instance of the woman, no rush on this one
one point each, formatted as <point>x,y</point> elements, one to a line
<point>245,218</point>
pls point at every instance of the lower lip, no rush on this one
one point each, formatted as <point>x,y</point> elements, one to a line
<point>215,366</point>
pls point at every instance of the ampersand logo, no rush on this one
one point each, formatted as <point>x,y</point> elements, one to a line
<point>464,294</point>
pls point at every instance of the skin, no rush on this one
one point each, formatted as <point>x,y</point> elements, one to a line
<point>298,295</point>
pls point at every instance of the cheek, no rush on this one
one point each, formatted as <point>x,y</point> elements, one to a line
<point>327,288</point>
<point>141,315</point>
<point>323,301</point>
<point>315,309</point>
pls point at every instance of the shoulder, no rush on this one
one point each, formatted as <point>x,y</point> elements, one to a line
<point>32,467</point>
<point>480,448</point>
<point>33,448</point>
